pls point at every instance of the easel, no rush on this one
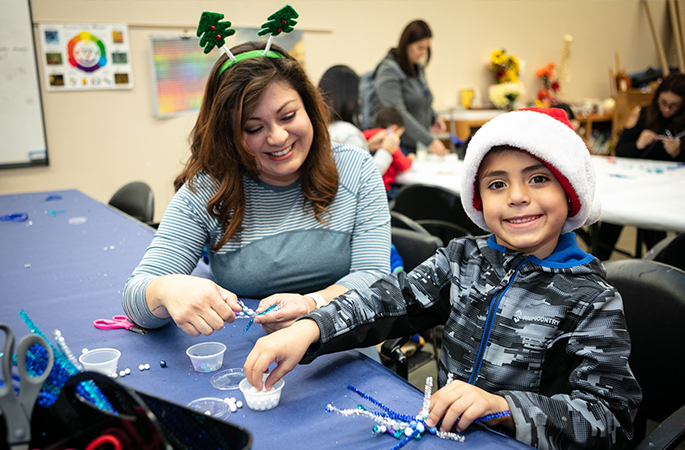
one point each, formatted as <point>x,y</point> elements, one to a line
<point>676,10</point>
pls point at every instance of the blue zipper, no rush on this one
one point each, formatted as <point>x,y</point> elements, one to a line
<point>490,320</point>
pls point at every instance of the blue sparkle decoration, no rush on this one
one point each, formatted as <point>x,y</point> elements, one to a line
<point>248,313</point>
<point>403,426</point>
<point>62,369</point>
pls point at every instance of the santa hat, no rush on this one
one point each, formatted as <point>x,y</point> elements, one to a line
<point>547,134</point>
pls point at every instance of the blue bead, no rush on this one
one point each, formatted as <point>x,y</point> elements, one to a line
<point>162,363</point>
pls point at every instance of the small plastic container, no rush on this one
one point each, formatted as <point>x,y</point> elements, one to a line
<point>103,360</point>
<point>211,406</point>
<point>206,356</point>
<point>228,379</point>
<point>261,400</point>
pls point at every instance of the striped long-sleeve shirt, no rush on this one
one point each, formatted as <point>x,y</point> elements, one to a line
<point>282,247</point>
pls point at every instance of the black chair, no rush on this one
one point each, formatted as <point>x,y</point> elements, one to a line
<point>414,247</point>
<point>135,199</point>
<point>654,302</point>
<point>669,251</point>
<point>399,220</point>
<point>427,202</point>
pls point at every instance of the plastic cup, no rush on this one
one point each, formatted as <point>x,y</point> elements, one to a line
<point>211,406</point>
<point>103,360</point>
<point>261,400</point>
<point>206,356</point>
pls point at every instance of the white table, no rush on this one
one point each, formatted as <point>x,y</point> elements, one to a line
<point>638,192</point>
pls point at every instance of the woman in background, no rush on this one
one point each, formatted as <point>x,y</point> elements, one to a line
<point>651,132</point>
<point>340,87</point>
<point>400,81</point>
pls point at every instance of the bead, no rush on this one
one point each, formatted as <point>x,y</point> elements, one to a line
<point>147,366</point>
<point>122,373</point>
<point>408,431</point>
<point>84,350</point>
<point>162,363</point>
<point>141,367</point>
<point>128,371</point>
<point>239,404</point>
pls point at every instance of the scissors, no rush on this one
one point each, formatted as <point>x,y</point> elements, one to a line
<point>118,322</point>
<point>17,411</point>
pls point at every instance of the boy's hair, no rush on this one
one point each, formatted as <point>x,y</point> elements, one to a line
<point>546,134</point>
<point>387,116</point>
<point>218,148</point>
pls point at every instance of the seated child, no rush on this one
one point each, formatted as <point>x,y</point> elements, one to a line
<point>531,324</point>
<point>389,120</point>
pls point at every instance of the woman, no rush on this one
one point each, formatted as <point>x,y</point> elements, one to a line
<point>651,132</point>
<point>340,87</point>
<point>277,207</point>
<point>400,81</point>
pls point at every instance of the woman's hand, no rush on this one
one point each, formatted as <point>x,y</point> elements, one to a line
<point>438,148</point>
<point>284,347</point>
<point>439,126</point>
<point>463,401</point>
<point>293,306</point>
<point>376,140</point>
<point>672,147</point>
<point>197,305</point>
<point>646,138</point>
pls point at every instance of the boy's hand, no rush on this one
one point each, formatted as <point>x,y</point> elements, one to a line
<point>285,347</point>
<point>463,401</point>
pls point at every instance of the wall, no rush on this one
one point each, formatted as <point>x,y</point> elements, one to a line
<point>98,141</point>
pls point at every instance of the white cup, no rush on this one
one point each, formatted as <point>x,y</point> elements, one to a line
<point>103,360</point>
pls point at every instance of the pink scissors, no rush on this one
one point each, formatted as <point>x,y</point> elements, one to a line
<point>118,322</point>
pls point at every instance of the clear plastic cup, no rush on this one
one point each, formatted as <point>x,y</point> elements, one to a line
<point>103,360</point>
<point>206,356</point>
<point>261,400</point>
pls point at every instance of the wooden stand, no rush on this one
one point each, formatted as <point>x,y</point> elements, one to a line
<point>625,102</point>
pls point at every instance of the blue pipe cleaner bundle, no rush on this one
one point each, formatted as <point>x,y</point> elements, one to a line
<point>404,426</point>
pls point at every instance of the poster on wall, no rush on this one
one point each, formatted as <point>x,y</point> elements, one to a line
<point>86,57</point>
<point>180,68</point>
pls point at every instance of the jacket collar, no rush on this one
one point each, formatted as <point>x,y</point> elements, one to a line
<point>567,254</point>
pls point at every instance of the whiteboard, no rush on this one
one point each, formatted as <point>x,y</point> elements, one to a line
<point>22,128</point>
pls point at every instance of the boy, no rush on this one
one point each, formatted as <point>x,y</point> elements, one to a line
<point>531,325</point>
<point>389,120</point>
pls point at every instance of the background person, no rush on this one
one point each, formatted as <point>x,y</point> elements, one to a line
<point>400,81</point>
<point>279,209</point>
<point>651,132</point>
<point>340,87</point>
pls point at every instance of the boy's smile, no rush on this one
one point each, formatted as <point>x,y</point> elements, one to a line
<point>523,203</point>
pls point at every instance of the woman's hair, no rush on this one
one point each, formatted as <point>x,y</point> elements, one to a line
<point>675,83</point>
<point>218,147</point>
<point>415,31</point>
<point>340,87</point>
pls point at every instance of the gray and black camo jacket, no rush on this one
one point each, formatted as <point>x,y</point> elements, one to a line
<point>548,335</point>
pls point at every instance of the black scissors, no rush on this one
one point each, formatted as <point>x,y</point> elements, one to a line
<point>17,411</point>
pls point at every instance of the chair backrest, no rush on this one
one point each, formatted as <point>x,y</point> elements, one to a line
<point>135,199</point>
<point>669,251</point>
<point>654,302</point>
<point>414,247</point>
<point>428,202</point>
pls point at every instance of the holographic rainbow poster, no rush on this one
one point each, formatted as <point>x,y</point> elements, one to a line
<point>179,74</point>
<point>86,57</point>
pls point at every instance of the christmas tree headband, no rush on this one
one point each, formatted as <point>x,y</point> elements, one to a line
<point>214,33</point>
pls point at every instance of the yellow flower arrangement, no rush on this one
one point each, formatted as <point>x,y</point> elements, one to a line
<point>505,68</point>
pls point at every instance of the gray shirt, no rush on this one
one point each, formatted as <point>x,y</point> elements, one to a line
<point>411,96</point>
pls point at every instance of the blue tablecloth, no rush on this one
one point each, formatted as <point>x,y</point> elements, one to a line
<point>66,266</point>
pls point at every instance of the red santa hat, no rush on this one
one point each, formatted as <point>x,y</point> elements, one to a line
<point>547,134</point>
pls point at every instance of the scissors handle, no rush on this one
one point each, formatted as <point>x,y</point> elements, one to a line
<point>114,323</point>
<point>29,386</point>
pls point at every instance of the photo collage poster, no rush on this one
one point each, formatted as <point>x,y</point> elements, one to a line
<point>180,68</point>
<point>86,57</point>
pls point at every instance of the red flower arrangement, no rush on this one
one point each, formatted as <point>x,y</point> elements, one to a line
<point>547,95</point>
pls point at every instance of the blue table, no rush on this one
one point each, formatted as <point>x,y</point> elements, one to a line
<point>66,266</point>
